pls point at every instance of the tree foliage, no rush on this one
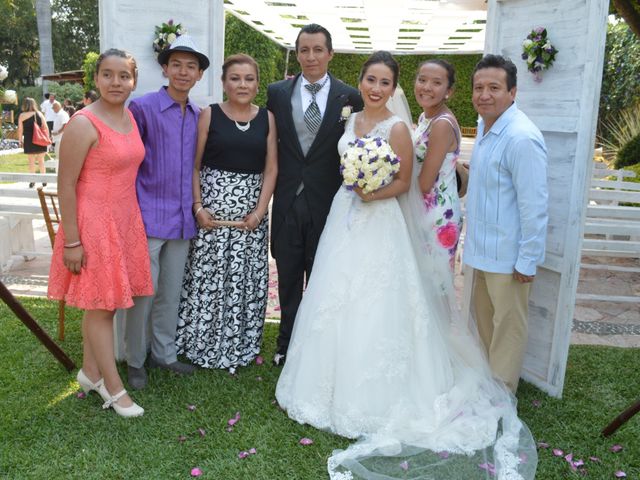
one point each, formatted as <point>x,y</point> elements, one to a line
<point>630,11</point>
<point>75,32</point>
<point>19,48</point>
<point>621,76</point>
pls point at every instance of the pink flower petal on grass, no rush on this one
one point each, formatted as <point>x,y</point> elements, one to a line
<point>229,429</point>
<point>543,445</point>
<point>557,452</point>
<point>578,463</point>
<point>196,472</point>
<point>81,395</point>
<point>620,474</point>
<point>243,454</point>
<point>202,432</point>
<point>259,360</point>
<point>594,459</point>
<point>404,465</point>
<point>488,467</point>
<point>191,408</point>
<point>252,451</point>
<point>536,403</point>
<point>524,458</point>
<point>443,454</point>
<point>305,441</point>
<point>232,421</point>
<point>616,449</point>
<point>182,438</point>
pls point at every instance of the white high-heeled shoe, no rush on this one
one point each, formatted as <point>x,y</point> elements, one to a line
<point>133,410</point>
<point>88,386</point>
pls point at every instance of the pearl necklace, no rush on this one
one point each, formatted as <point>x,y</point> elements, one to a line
<point>243,128</point>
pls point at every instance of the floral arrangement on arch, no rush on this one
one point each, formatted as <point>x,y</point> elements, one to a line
<point>538,52</point>
<point>166,34</point>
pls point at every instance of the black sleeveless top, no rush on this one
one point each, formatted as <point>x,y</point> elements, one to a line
<point>233,150</point>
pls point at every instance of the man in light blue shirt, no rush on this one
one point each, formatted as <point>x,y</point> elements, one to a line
<point>506,216</point>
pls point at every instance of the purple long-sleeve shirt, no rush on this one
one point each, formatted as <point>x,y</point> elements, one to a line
<point>164,180</point>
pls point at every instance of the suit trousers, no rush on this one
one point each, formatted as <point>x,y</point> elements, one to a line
<point>501,305</point>
<point>297,241</point>
<point>157,314</point>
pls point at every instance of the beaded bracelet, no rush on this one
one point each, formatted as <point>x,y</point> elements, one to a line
<point>73,245</point>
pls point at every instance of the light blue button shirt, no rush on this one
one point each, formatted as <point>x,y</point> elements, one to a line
<point>507,197</point>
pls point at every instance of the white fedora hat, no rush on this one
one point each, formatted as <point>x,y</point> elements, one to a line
<point>184,43</point>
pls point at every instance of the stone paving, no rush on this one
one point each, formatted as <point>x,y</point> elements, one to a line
<point>595,323</point>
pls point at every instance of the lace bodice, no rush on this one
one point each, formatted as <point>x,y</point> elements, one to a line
<point>382,130</point>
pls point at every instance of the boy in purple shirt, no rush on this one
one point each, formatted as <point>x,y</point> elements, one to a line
<point>168,123</point>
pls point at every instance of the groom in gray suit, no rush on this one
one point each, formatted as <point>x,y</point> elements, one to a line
<point>310,111</point>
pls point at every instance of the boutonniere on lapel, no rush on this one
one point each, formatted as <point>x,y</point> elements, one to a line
<point>345,112</point>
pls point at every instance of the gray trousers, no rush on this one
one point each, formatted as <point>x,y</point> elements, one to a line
<point>157,314</point>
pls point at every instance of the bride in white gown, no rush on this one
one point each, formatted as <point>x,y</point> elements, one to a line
<point>378,353</point>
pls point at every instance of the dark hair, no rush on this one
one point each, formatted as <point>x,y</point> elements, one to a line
<point>70,110</point>
<point>115,52</point>
<point>91,95</point>
<point>315,28</point>
<point>451,71</point>
<point>384,57</point>
<point>46,96</point>
<point>239,59</point>
<point>498,61</point>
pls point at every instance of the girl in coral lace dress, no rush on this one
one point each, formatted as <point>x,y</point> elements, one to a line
<point>100,257</point>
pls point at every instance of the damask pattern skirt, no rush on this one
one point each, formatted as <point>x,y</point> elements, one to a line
<point>225,287</point>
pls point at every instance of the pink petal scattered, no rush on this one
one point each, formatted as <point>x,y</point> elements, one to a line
<point>259,378</point>
<point>488,467</point>
<point>443,454</point>
<point>196,472</point>
<point>594,459</point>
<point>252,451</point>
<point>259,360</point>
<point>620,474</point>
<point>524,458</point>
<point>232,421</point>
<point>81,395</point>
<point>182,438</point>
<point>537,403</point>
<point>229,429</point>
<point>243,454</point>
<point>404,465</point>
<point>543,445</point>
<point>202,432</point>
<point>578,463</point>
<point>616,449</point>
<point>569,457</point>
<point>191,408</point>
<point>305,441</point>
<point>557,452</point>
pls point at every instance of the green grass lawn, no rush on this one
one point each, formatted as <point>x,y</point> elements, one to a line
<point>48,433</point>
<point>14,162</point>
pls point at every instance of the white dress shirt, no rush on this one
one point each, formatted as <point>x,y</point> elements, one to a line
<point>321,97</point>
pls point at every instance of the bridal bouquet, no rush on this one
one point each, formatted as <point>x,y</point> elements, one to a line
<point>369,163</point>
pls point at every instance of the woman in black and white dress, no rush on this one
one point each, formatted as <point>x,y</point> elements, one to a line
<point>225,288</point>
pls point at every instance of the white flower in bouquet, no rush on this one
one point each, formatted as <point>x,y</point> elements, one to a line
<point>171,38</point>
<point>369,163</point>
<point>4,73</point>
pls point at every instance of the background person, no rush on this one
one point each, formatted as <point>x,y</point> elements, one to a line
<point>62,117</point>
<point>35,153</point>
<point>225,289</point>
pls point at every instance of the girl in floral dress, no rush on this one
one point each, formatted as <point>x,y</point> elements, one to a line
<point>437,147</point>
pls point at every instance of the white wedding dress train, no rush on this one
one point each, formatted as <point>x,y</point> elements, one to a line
<point>376,356</point>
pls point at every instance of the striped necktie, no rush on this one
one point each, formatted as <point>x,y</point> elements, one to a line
<point>312,117</point>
